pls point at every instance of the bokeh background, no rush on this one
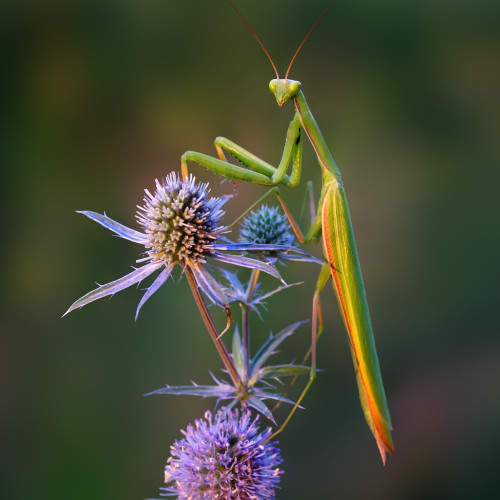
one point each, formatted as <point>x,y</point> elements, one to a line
<point>100,97</point>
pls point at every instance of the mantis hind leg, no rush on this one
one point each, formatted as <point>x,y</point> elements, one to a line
<point>316,331</point>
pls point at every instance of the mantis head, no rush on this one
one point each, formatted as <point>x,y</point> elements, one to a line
<point>284,89</point>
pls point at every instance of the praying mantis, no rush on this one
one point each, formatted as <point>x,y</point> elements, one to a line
<point>332,222</point>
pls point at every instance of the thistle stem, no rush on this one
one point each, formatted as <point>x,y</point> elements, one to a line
<point>212,330</point>
<point>245,323</point>
<point>252,284</point>
<point>245,320</point>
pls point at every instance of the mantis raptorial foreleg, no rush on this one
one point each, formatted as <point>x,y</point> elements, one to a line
<point>257,170</point>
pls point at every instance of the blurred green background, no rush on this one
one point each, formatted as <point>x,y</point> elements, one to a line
<point>101,97</point>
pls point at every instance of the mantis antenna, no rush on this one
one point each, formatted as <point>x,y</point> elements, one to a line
<point>307,36</point>
<point>264,48</point>
<point>255,35</point>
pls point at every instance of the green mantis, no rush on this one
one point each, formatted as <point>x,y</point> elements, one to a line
<point>333,222</point>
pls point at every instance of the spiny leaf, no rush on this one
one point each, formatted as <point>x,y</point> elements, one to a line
<point>271,344</point>
<point>277,371</point>
<point>238,359</point>
<point>259,405</point>
<point>218,391</point>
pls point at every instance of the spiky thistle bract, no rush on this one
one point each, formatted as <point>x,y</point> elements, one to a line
<point>255,388</point>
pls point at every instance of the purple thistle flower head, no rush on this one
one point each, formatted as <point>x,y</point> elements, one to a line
<point>223,457</point>
<point>180,221</point>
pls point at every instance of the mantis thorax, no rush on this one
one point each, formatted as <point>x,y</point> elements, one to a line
<point>284,89</point>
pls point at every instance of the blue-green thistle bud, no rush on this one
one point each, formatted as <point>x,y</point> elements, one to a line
<point>266,226</point>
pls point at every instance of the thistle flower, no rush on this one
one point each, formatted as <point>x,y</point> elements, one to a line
<point>180,225</point>
<point>267,226</point>
<point>223,457</point>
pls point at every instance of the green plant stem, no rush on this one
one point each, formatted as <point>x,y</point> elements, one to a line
<point>252,284</point>
<point>245,320</point>
<point>214,333</point>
